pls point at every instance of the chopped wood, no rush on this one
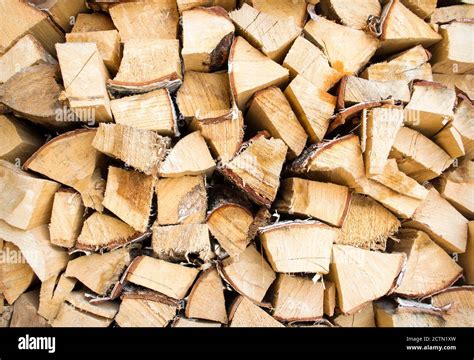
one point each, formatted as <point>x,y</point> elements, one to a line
<point>181,322</point>
<point>206,299</point>
<point>144,312</point>
<point>324,201</point>
<point>297,299</point>
<point>450,141</point>
<point>67,217</point>
<point>309,61</point>
<point>463,124</point>
<point>72,150</point>
<point>181,200</point>
<point>248,273</point>
<point>271,111</point>
<point>447,14</point>
<point>146,20</point>
<point>347,49</point>
<point>244,313</point>
<point>142,149</point>
<point>462,299</point>
<point>244,63</point>
<point>313,106</point>
<point>257,167</point>
<point>390,315</point>
<point>206,49</point>
<point>25,312</point>
<point>147,65</point>
<point>151,111</point>
<point>293,247</point>
<point>442,222</point>
<point>170,279</point>
<point>62,12</point>
<point>84,75</point>
<point>294,10</point>
<point>423,9</point>
<point>368,224</point>
<point>72,317</point>
<point>128,195</point>
<point>53,293</point>
<point>354,90</point>
<point>270,34</point>
<point>421,276</point>
<point>80,301</point>
<point>190,156</point>
<point>329,298</point>
<point>417,156</point>
<point>354,14</point>
<point>104,232</point>
<point>86,22</point>
<point>363,275</point>
<point>464,83</point>
<point>361,319</point>
<point>465,259</point>
<point>26,52</point>
<point>184,242</point>
<point>99,272</point>
<point>184,5</point>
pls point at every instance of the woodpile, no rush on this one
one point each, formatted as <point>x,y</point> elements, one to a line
<point>251,163</point>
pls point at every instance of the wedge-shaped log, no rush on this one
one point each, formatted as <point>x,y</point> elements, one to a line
<point>151,111</point>
<point>294,247</point>
<point>354,90</point>
<point>128,195</point>
<point>324,201</point>
<point>364,318</point>
<point>67,218</point>
<point>442,222</point>
<point>61,11</point>
<point>206,299</point>
<point>72,150</point>
<point>388,314</point>
<point>465,259</point>
<point>25,311</point>
<point>450,140</point>
<point>463,124</point>
<point>26,199</point>
<point>363,275</point>
<point>190,156</point>
<point>461,299</point>
<point>86,22</point>
<point>184,5</point>
<point>282,9</point>
<point>248,273</point>
<point>447,14</point>
<point>53,293</point>
<point>353,14</point>
<point>259,156</point>
<point>429,268</point>
<point>84,76</point>
<point>422,9</point>
<point>348,49</point>
<point>79,300</point>
<point>250,71</point>
<point>206,49</point>
<point>142,149</point>
<point>244,313</point>
<point>172,280</point>
<point>72,317</point>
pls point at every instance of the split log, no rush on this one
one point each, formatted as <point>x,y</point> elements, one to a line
<point>128,195</point>
<point>62,12</point>
<point>442,222</point>
<point>206,300</point>
<point>244,313</point>
<point>363,275</point>
<point>401,29</point>
<point>170,279</point>
<point>348,49</point>
<point>142,149</point>
<point>147,65</point>
<point>464,83</point>
<point>72,150</point>
<point>324,201</point>
<point>181,200</point>
<point>329,298</point>
<point>184,242</point>
<point>26,52</point>
<point>463,124</point>
<point>447,14</point>
<point>206,49</point>
<point>190,156</point>
<point>270,111</point>
<point>462,311</point>
<point>184,5</point>
<point>146,20</point>
<point>144,311</point>
<point>361,319</point>
<point>99,272</point>
<point>45,259</point>
<point>313,107</point>
<point>297,299</point>
<point>204,96</point>
<point>390,315</point>
<point>16,275</point>
<point>270,34</point>
<point>244,62</point>
<point>248,273</point>
<point>71,317</point>
<point>423,9</point>
<point>259,156</point>
<point>19,18</point>
<point>309,61</point>
<point>429,268</point>
<point>465,259</point>
<point>354,14</point>
<point>407,66</point>
<point>67,217</point>
<point>282,9</point>
<point>53,293</point>
<point>450,55</point>
<point>104,232</point>
<point>293,247</point>
<point>27,200</point>
<point>368,224</point>
<point>84,75</point>
<point>79,300</point>
<point>151,111</point>
<point>417,156</point>
<point>25,312</point>
<point>450,141</point>
<point>108,44</point>
<point>181,322</point>
<point>92,22</point>
<point>456,186</point>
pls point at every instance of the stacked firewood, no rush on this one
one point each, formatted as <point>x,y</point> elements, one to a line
<point>233,163</point>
